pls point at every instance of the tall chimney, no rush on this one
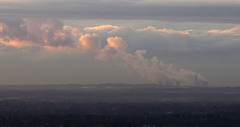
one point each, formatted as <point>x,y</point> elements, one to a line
<point>196,80</point>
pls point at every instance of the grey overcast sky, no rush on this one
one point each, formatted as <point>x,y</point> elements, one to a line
<point>120,41</point>
<point>175,10</point>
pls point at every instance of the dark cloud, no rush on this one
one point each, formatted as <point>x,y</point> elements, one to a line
<point>122,10</point>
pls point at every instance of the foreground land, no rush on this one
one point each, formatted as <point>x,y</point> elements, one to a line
<point>118,106</point>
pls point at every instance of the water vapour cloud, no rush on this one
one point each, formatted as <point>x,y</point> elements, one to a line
<point>153,69</point>
<point>52,34</point>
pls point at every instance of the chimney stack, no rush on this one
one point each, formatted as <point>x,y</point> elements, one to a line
<point>196,80</point>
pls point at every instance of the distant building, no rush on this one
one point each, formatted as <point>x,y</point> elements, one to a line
<point>200,84</point>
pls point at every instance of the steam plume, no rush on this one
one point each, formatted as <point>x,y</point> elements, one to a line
<point>52,34</point>
<point>155,71</point>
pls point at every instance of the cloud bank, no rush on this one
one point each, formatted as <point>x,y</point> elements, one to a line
<point>20,33</point>
<point>53,35</point>
<point>146,52</point>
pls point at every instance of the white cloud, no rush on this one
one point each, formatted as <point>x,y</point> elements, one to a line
<point>232,31</point>
<point>164,30</point>
<point>89,42</point>
<point>102,28</point>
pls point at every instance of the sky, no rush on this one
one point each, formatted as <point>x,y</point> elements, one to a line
<point>120,41</point>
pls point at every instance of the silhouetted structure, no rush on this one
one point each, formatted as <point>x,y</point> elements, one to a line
<point>196,81</point>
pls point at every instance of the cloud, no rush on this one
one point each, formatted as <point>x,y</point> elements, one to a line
<point>133,49</point>
<point>167,31</point>
<point>153,69</point>
<point>117,43</point>
<point>211,54</point>
<point>22,33</point>
<point>158,72</point>
<point>232,31</point>
<point>16,43</point>
<point>76,31</point>
<point>89,42</point>
<point>53,35</point>
<point>102,28</point>
<point>115,46</point>
<point>169,41</point>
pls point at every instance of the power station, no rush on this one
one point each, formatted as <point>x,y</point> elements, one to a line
<point>197,83</point>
